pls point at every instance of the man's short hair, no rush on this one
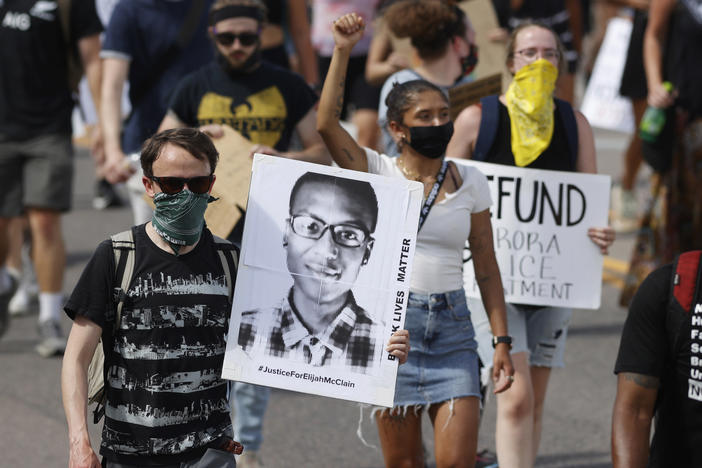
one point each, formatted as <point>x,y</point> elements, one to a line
<point>360,191</point>
<point>192,140</point>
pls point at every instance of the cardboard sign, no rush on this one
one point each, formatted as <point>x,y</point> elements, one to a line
<point>602,104</point>
<point>232,185</point>
<point>491,54</point>
<point>323,280</point>
<point>540,220</point>
<point>468,94</point>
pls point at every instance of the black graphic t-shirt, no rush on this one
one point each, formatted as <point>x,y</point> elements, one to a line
<point>34,94</point>
<point>646,348</point>
<point>264,106</point>
<point>165,398</point>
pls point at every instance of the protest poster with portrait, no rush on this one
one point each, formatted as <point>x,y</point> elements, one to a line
<point>323,280</point>
<point>540,220</point>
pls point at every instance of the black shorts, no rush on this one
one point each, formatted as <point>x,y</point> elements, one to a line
<point>633,83</point>
<point>359,94</point>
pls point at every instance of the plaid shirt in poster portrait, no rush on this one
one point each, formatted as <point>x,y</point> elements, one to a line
<point>349,340</point>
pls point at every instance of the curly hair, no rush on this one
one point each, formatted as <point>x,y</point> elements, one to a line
<point>430,24</point>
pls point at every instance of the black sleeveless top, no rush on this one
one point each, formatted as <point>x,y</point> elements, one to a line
<point>556,157</point>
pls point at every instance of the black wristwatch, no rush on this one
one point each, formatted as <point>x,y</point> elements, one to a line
<point>502,339</point>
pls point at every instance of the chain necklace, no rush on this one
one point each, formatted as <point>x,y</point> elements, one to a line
<point>411,175</point>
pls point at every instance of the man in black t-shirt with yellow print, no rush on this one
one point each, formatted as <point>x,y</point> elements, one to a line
<point>266,104</point>
<point>263,102</point>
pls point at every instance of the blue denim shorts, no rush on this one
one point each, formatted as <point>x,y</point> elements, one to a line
<point>540,331</point>
<point>443,359</point>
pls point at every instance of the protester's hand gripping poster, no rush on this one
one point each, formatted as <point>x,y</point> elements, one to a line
<point>540,220</point>
<point>323,280</point>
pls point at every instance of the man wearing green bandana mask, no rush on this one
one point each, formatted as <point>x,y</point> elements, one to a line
<point>165,356</point>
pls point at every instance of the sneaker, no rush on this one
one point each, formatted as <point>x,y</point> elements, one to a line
<point>5,302</point>
<point>486,459</point>
<point>24,301</point>
<point>249,459</point>
<point>626,213</point>
<point>105,196</point>
<point>52,342</point>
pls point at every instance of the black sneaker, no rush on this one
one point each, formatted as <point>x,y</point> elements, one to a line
<point>5,304</point>
<point>105,196</point>
<point>52,341</point>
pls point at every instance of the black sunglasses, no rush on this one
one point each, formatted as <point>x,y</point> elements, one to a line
<point>227,38</point>
<point>171,185</point>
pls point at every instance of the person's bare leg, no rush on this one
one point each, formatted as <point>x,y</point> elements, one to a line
<point>539,382</point>
<point>6,283</point>
<point>456,432</point>
<point>48,251</point>
<point>366,121</point>
<point>632,157</point>
<point>49,258</point>
<point>15,234</point>
<point>401,438</point>
<point>4,240</point>
<point>515,418</point>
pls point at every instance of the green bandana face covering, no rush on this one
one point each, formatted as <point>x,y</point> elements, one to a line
<point>179,217</point>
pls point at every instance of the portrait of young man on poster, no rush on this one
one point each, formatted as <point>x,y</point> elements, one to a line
<point>328,239</point>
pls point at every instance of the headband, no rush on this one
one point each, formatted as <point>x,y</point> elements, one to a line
<point>236,11</point>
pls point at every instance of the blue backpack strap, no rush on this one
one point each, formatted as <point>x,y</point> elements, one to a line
<point>565,110</point>
<point>489,121</point>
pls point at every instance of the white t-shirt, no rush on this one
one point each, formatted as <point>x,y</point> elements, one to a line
<point>438,257</point>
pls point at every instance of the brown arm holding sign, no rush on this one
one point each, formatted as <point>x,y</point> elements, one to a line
<point>487,275</point>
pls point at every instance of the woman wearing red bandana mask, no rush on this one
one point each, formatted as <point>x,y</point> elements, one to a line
<point>443,42</point>
<point>531,132</point>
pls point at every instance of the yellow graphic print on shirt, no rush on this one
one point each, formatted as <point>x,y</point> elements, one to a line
<point>260,118</point>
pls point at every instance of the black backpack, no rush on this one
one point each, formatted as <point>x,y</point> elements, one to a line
<point>490,121</point>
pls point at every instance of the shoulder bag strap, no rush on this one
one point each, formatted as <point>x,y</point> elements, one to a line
<point>565,110</point>
<point>489,121</point>
<point>123,249</point>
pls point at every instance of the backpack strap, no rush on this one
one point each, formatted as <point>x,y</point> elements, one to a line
<point>123,250</point>
<point>489,122</point>
<point>684,290</point>
<point>565,110</point>
<point>685,286</point>
<point>229,256</point>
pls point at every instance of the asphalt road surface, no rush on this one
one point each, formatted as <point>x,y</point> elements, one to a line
<point>308,431</point>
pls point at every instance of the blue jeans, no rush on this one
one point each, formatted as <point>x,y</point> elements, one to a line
<point>249,403</point>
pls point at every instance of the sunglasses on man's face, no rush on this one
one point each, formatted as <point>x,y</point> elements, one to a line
<point>227,38</point>
<point>171,185</point>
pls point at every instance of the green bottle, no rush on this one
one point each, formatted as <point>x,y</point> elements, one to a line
<point>653,120</point>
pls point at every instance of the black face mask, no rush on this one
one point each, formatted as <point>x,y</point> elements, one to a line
<point>469,62</point>
<point>431,141</point>
<point>247,67</point>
